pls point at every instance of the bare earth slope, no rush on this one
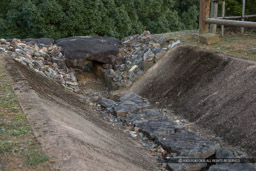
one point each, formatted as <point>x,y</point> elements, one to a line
<point>214,90</point>
<point>71,133</point>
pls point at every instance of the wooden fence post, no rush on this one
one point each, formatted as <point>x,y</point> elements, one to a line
<point>204,14</point>
<point>214,14</point>
<point>243,14</point>
<point>223,15</point>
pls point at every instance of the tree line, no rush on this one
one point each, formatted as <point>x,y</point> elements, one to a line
<point>117,18</point>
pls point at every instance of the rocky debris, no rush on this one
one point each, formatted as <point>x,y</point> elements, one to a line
<point>155,128</point>
<point>136,55</point>
<point>168,141</point>
<point>80,50</point>
<point>224,153</point>
<point>188,144</point>
<point>165,139</point>
<point>47,60</point>
<point>144,116</point>
<point>107,103</point>
<point>118,63</point>
<point>186,166</point>
<point>232,167</point>
<point>129,103</point>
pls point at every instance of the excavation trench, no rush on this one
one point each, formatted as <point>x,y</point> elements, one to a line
<point>72,133</point>
<point>213,90</point>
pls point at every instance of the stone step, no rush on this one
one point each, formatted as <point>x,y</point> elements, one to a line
<point>130,103</point>
<point>155,128</point>
<point>133,110</point>
<point>186,166</point>
<point>143,116</point>
<point>232,167</point>
<point>188,144</point>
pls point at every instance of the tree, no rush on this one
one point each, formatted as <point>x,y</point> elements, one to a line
<point>118,18</point>
<point>52,20</point>
<point>189,12</point>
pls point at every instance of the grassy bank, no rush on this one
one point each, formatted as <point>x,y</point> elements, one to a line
<point>19,150</point>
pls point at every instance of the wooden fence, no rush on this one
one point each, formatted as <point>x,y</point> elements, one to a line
<point>223,20</point>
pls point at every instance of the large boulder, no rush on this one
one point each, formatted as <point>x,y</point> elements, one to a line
<point>79,50</point>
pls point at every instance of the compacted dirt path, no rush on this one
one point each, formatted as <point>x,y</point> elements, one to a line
<point>73,134</point>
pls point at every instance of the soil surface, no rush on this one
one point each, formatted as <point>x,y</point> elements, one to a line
<point>213,90</point>
<point>72,133</point>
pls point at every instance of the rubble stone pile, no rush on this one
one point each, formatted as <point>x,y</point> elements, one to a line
<point>136,55</point>
<point>118,63</point>
<point>46,60</point>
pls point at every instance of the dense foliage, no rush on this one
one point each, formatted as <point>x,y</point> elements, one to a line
<point>119,18</point>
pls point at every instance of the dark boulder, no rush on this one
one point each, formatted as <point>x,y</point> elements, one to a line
<point>45,41</point>
<point>79,50</point>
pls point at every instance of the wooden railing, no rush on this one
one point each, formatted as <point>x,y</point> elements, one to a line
<point>214,20</point>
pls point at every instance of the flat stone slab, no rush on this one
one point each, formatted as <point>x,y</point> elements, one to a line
<point>144,116</point>
<point>188,144</point>
<point>79,49</point>
<point>224,153</point>
<point>155,128</point>
<point>232,167</point>
<point>106,103</point>
<point>130,96</point>
<point>209,38</point>
<point>186,166</point>
<point>129,103</point>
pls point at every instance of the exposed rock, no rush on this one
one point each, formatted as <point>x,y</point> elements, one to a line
<point>186,166</point>
<point>136,55</point>
<point>106,103</point>
<point>78,50</point>
<point>129,103</point>
<point>188,144</point>
<point>47,60</point>
<point>156,128</point>
<point>171,142</point>
<point>144,116</point>
<point>232,167</point>
<point>209,38</point>
<point>224,153</point>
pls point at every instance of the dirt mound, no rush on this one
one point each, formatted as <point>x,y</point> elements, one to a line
<point>214,90</point>
<point>71,132</point>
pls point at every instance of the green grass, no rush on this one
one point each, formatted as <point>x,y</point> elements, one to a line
<point>16,136</point>
<point>235,44</point>
<point>34,156</point>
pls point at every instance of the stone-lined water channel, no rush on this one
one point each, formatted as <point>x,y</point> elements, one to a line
<point>168,141</point>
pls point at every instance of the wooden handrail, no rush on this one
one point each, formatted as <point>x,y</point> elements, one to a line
<point>237,17</point>
<point>231,22</point>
